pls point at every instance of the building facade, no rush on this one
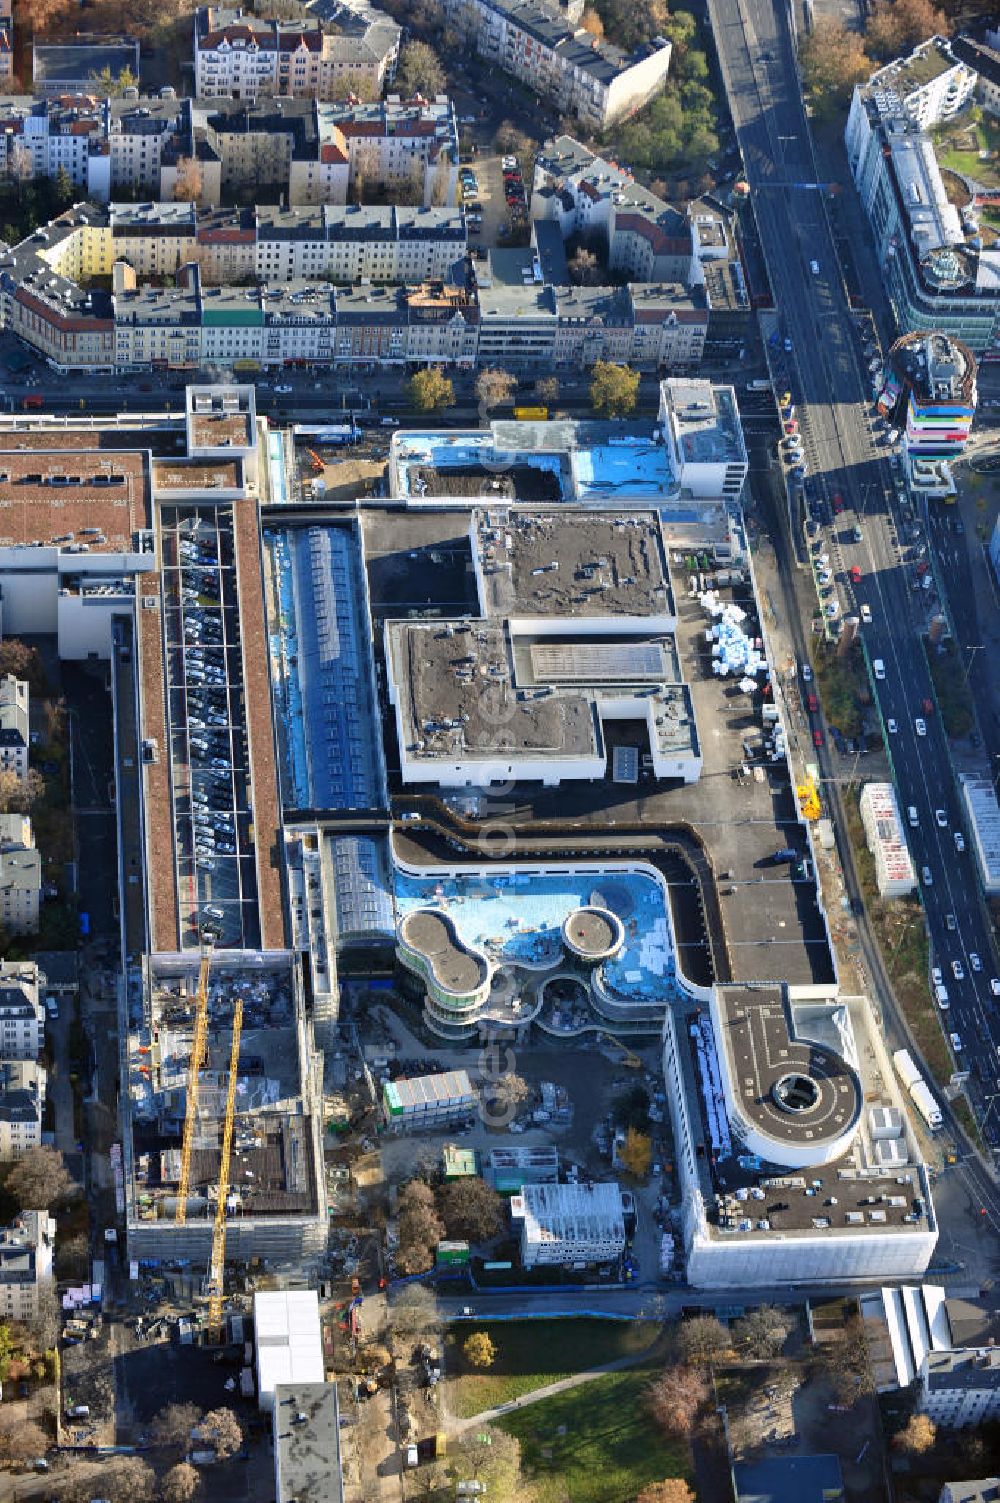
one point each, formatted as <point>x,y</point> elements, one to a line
<point>6,39</point>
<point>544,46</point>
<point>644,237</point>
<point>22,1103</point>
<point>14,734</point>
<point>566,1225</point>
<point>26,1248</point>
<point>940,274</point>
<point>22,1015</point>
<point>960,1388</point>
<point>295,151</point>
<point>250,56</point>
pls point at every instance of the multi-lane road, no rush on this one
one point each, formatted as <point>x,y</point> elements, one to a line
<point>818,346</point>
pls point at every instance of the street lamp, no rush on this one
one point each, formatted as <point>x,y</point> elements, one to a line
<point>972,658</point>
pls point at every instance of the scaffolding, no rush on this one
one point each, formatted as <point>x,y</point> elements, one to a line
<point>198,1048</point>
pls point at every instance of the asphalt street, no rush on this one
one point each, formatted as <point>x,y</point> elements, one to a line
<point>818,345</point>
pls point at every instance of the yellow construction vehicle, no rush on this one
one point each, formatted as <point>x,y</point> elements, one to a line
<point>195,1063</point>
<point>809,802</point>
<point>630,1061</point>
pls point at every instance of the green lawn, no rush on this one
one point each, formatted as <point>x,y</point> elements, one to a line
<point>969,163</point>
<point>532,1353</point>
<point>595,1443</point>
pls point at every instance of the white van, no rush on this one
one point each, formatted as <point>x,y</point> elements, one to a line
<point>913,816</point>
<point>941,993</point>
<point>878,668</point>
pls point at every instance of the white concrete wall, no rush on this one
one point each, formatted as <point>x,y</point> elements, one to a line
<point>631,89</point>
<point>734,1262</point>
<point>29,584</point>
<point>84,624</point>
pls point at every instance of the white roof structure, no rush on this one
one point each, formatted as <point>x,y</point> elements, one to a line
<point>289,1340</point>
<point>915,1321</point>
<point>886,841</point>
<point>984,821</point>
<point>571,1214</point>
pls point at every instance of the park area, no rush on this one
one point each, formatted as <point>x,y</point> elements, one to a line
<point>595,1443</point>
<point>533,1353</point>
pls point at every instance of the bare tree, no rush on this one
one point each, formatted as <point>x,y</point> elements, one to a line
<point>495,387</point>
<point>173,1426</point>
<point>847,1359</point>
<point>547,390</point>
<point>22,661</point>
<point>190,180</point>
<point>44,1326</point>
<point>674,1399</point>
<point>672,1490</point>
<point>471,1209</point>
<point>73,1257</point>
<point>221,1429</point>
<point>492,1457</point>
<point>182,1484</point>
<point>20,164</point>
<point>119,1479</point>
<point>39,1178</point>
<point>761,1332</point>
<point>21,1439</point>
<point>414,1311</point>
<point>19,795</point>
<point>702,1339</point>
<point>584,267</point>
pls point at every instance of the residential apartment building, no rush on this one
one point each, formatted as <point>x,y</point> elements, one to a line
<point>982,55</point>
<point>20,876</point>
<point>22,1103</point>
<point>26,1248</point>
<point>105,146</point>
<point>307,151</point>
<point>326,284</point>
<point>961,1387</point>
<point>586,196</point>
<point>544,46</point>
<point>932,82</point>
<point>939,272</point>
<point>294,151</point>
<point>22,1015</point>
<point>249,56</point>
<point>14,734</point>
<point>6,39</point>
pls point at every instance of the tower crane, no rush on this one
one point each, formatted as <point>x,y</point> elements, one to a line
<point>194,1068</point>
<point>217,1266</point>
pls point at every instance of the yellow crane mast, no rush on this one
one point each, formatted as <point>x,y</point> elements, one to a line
<point>217,1267</point>
<point>194,1068</point>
